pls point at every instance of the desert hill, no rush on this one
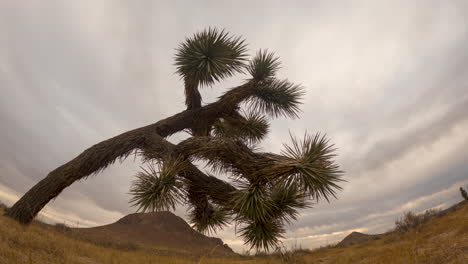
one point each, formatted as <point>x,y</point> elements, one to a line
<point>356,238</point>
<point>162,232</point>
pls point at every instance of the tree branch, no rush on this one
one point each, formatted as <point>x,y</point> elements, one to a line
<point>103,154</point>
<point>216,189</point>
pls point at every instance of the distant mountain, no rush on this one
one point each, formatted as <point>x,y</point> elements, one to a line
<point>356,238</point>
<point>162,232</point>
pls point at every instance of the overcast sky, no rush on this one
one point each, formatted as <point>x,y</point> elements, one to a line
<point>387,81</point>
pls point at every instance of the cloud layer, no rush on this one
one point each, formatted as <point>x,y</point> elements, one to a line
<point>387,81</point>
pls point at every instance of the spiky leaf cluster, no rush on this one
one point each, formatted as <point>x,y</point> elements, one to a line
<point>310,163</point>
<point>264,66</point>
<point>262,235</point>
<point>262,211</point>
<point>271,187</point>
<point>253,203</point>
<point>157,187</point>
<point>210,56</point>
<point>251,127</point>
<point>277,98</point>
<point>288,199</point>
<point>207,218</point>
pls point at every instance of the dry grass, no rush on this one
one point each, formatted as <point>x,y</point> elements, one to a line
<point>38,243</point>
<point>442,240</point>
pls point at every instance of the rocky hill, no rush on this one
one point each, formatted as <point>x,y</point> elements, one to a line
<point>356,238</point>
<point>162,232</point>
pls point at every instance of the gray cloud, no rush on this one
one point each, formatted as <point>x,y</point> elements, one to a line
<point>385,80</point>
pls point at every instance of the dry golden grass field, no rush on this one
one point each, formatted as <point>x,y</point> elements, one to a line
<point>442,240</point>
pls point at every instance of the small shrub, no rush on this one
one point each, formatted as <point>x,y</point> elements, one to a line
<point>3,207</point>
<point>463,193</point>
<point>120,245</point>
<point>411,220</point>
<point>325,247</point>
<point>245,253</point>
<point>292,256</point>
<point>62,228</point>
<point>261,253</point>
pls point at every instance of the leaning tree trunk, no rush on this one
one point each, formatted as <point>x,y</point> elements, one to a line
<point>92,160</point>
<point>103,154</point>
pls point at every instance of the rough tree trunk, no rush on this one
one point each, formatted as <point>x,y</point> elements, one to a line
<point>91,160</point>
<point>103,154</point>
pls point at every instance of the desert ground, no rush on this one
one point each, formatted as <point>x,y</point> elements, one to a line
<point>443,239</point>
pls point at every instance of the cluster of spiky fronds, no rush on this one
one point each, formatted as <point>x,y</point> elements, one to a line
<point>157,187</point>
<point>264,66</point>
<point>262,211</point>
<point>312,166</point>
<point>210,56</point>
<point>205,216</point>
<point>272,96</point>
<point>277,98</point>
<point>255,212</point>
<point>271,188</point>
<point>251,127</point>
<point>288,199</point>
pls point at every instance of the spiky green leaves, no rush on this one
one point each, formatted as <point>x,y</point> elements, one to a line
<point>262,211</point>
<point>250,127</point>
<point>210,56</point>
<point>311,165</point>
<point>157,187</point>
<point>272,96</point>
<point>262,235</point>
<point>277,98</point>
<point>255,211</point>
<point>288,199</point>
<point>263,66</point>
<point>207,218</point>
<point>253,203</point>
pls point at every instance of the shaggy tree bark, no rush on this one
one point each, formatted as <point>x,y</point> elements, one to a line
<point>270,188</point>
<point>103,154</point>
<point>158,148</point>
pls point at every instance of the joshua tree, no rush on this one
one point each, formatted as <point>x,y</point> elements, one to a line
<point>463,193</point>
<point>265,190</point>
